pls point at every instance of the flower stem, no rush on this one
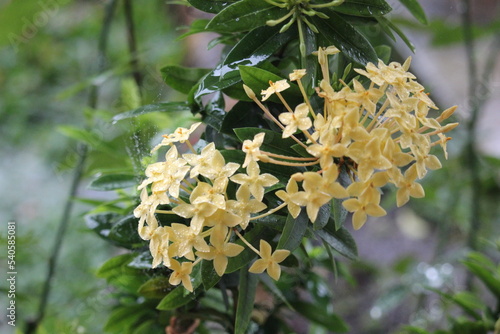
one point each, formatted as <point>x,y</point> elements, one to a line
<point>245,241</point>
<point>286,157</point>
<point>279,207</point>
<point>293,164</point>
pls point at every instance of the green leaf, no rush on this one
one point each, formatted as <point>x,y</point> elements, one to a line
<point>385,22</point>
<point>246,298</point>
<point>113,182</point>
<point>209,277</point>
<point>182,78</point>
<point>214,112</point>
<point>157,107</point>
<point>210,6</point>
<point>242,115</point>
<point>294,231</point>
<point>345,37</point>
<point>271,285</point>
<point>142,261</point>
<point>176,298</point>
<point>340,240</point>
<point>124,232</point>
<point>416,10</point>
<point>470,303</point>
<point>124,318</point>
<point>102,223</point>
<point>413,330</point>
<point>323,217</point>
<point>273,221</point>
<point>196,27</point>
<point>338,212</point>
<point>88,137</point>
<point>113,267</point>
<point>130,94</point>
<point>366,8</point>
<point>258,79</point>
<point>245,15</point>
<point>320,316</point>
<point>485,270</point>
<point>469,327</point>
<point>254,48</point>
<point>149,327</point>
<point>155,288</point>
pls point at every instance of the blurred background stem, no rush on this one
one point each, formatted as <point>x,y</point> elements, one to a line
<point>132,44</point>
<point>478,94</point>
<point>82,149</point>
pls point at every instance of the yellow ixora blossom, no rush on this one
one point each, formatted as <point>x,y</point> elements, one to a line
<point>220,251</point>
<point>298,119</point>
<point>373,132</point>
<point>252,148</point>
<point>274,87</point>
<point>180,135</point>
<point>181,274</point>
<point>269,260</point>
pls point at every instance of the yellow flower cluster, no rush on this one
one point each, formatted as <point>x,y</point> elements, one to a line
<point>378,134</point>
<point>212,215</point>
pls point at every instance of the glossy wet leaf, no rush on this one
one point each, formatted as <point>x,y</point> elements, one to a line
<point>182,78</point>
<point>323,217</point>
<point>293,232</point>
<point>209,277</point>
<point>143,260</point>
<point>245,15</point>
<point>340,240</point>
<point>242,115</point>
<point>363,7</point>
<point>258,80</point>
<point>102,223</point>
<point>124,232</point>
<point>345,37</point>
<point>155,288</point>
<point>254,48</point>
<point>211,6</point>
